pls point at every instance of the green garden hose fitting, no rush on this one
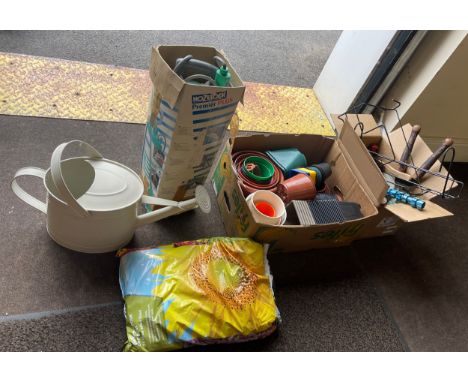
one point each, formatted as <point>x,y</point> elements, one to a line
<point>223,77</point>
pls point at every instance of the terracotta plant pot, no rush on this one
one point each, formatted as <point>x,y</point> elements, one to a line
<point>299,187</point>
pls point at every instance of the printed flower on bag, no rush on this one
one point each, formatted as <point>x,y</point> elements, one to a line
<point>208,290</point>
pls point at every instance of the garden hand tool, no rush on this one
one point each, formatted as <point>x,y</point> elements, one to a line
<point>433,158</point>
<point>409,147</point>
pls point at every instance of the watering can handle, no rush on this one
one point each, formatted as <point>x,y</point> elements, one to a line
<point>57,178</point>
<point>22,194</point>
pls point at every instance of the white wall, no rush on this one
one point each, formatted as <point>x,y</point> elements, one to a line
<point>433,90</point>
<point>349,66</point>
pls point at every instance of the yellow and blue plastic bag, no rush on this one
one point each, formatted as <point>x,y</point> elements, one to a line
<point>208,291</point>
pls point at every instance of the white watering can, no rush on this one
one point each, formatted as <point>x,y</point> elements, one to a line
<point>92,202</point>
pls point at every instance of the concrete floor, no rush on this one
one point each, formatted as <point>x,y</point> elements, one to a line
<point>386,294</point>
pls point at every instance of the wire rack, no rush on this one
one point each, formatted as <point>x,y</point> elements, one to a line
<point>452,187</point>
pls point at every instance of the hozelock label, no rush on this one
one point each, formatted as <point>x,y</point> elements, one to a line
<point>210,97</point>
<point>204,106</point>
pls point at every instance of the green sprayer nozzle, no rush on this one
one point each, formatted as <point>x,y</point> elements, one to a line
<point>223,77</point>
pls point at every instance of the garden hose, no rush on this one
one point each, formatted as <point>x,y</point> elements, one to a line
<point>180,63</point>
<point>195,77</point>
<point>197,69</point>
<point>219,61</point>
<point>189,65</point>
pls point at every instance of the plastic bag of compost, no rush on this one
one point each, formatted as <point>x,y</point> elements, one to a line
<point>215,290</point>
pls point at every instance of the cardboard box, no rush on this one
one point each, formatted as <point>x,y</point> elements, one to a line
<point>355,174</point>
<point>393,215</point>
<point>186,124</point>
<point>350,165</point>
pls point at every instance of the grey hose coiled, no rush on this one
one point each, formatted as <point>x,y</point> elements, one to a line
<point>200,77</point>
<point>198,70</point>
<point>219,61</point>
<point>189,65</point>
<point>181,64</point>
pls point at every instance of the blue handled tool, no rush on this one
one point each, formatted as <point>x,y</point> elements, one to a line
<point>404,197</point>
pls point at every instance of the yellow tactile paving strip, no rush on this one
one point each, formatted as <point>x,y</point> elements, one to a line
<point>282,109</point>
<point>55,88</point>
<point>49,87</point>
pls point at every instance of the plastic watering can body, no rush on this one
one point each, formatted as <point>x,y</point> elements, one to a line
<point>92,202</point>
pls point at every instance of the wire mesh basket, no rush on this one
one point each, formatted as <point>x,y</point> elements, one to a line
<point>452,188</point>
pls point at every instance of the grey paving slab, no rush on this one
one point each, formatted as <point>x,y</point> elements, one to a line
<point>276,57</point>
<point>326,303</point>
<point>92,329</point>
<point>422,273</point>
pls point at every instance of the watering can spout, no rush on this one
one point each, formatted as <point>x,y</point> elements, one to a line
<point>202,200</point>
